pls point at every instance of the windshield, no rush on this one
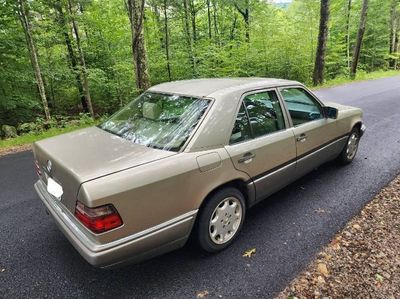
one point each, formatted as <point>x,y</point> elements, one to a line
<point>157,120</point>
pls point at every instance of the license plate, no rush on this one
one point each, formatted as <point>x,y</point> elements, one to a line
<point>54,188</point>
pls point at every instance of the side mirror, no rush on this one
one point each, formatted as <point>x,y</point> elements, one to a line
<point>330,112</point>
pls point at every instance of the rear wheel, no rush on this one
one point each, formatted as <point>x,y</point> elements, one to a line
<point>221,219</point>
<point>351,147</point>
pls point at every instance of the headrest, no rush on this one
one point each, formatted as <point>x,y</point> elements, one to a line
<point>151,110</point>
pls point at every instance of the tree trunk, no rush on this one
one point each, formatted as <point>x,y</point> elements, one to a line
<point>394,32</point>
<point>189,39</point>
<point>159,23</point>
<point>73,63</point>
<point>245,12</point>
<point>23,14</point>
<point>209,19</point>
<point>233,28</point>
<point>360,35</point>
<point>348,33</point>
<point>215,18</point>
<point>136,16</point>
<point>193,13</point>
<point>82,62</point>
<point>396,46</point>
<point>167,40</point>
<point>318,77</point>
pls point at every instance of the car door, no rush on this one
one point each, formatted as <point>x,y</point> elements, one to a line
<point>314,132</point>
<point>262,144</point>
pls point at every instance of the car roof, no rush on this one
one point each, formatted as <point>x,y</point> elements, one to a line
<point>207,87</point>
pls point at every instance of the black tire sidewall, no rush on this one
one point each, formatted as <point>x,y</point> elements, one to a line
<point>343,155</point>
<point>206,212</point>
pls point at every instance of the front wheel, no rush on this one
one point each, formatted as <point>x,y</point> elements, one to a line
<point>221,219</point>
<point>351,147</point>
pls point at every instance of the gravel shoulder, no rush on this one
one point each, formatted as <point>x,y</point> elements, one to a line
<point>362,260</point>
<point>15,149</point>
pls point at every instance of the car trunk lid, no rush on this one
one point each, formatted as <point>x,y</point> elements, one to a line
<point>74,158</point>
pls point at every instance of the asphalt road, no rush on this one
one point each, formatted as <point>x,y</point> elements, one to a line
<point>287,230</point>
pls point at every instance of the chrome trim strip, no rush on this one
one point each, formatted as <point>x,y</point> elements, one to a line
<point>322,148</point>
<point>274,172</point>
<point>72,224</point>
<point>297,160</point>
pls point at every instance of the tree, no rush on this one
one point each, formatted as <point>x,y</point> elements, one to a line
<point>189,38</point>
<point>23,14</point>
<point>244,10</point>
<point>209,18</point>
<point>348,33</point>
<point>83,69</point>
<point>318,77</point>
<point>73,63</point>
<point>174,40</point>
<point>136,14</point>
<point>360,36</point>
<point>394,33</point>
<point>167,39</point>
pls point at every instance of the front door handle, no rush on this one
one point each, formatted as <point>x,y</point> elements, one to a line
<point>301,138</point>
<point>247,158</point>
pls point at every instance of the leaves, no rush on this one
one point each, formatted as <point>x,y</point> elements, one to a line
<point>361,261</point>
<point>249,253</point>
<point>202,294</point>
<point>282,44</point>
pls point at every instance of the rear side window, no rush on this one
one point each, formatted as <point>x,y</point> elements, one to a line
<point>241,130</point>
<point>301,105</point>
<point>260,114</point>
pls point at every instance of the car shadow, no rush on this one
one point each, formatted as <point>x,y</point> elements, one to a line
<point>263,223</point>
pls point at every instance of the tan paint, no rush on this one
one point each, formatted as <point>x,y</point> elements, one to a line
<point>150,188</point>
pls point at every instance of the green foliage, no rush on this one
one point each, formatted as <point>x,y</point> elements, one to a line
<point>40,125</point>
<point>282,44</point>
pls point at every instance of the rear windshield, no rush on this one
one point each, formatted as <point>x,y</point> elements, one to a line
<point>157,120</point>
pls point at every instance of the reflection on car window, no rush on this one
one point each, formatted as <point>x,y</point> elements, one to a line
<point>302,106</point>
<point>265,113</point>
<point>264,117</point>
<point>157,120</point>
<point>241,130</point>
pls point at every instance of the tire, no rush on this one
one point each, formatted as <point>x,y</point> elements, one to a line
<point>350,150</point>
<point>220,220</point>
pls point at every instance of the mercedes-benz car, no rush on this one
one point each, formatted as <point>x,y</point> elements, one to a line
<point>187,158</point>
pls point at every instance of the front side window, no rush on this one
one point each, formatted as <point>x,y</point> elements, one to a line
<point>301,105</point>
<point>157,120</point>
<point>260,114</point>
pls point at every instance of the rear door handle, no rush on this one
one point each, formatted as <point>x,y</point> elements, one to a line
<point>301,138</point>
<point>247,158</point>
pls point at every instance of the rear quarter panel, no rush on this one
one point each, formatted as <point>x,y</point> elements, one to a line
<point>146,196</point>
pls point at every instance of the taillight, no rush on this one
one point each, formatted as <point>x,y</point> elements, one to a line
<point>99,219</point>
<point>39,173</point>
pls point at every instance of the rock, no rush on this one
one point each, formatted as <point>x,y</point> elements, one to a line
<point>9,131</point>
<point>323,269</point>
<point>321,280</point>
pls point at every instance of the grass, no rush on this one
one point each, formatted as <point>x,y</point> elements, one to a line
<point>30,138</point>
<point>361,76</point>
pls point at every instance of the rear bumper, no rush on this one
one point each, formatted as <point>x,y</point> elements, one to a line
<point>131,249</point>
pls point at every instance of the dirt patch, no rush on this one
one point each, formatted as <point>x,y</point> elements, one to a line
<point>363,260</point>
<point>15,149</point>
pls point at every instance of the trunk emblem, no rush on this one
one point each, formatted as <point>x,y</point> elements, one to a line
<point>48,166</point>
